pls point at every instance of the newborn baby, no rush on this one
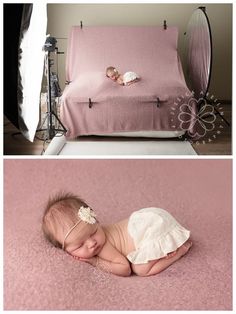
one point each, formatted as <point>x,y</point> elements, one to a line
<point>125,79</point>
<point>146,243</point>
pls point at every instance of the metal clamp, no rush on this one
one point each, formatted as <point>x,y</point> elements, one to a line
<point>90,103</point>
<point>165,25</point>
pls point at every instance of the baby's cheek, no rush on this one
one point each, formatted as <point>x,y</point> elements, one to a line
<point>78,253</point>
<point>84,253</point>
<point>75,255</point>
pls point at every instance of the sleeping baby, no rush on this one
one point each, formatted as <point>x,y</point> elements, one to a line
<point>126,79</point>
<point>145,243</point>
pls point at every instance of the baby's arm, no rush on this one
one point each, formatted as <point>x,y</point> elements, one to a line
<point>111,260</point>
<point>120,81</point>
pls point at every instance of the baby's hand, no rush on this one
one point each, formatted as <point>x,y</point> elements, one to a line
<point>92,260</point>
<point>120,81</point>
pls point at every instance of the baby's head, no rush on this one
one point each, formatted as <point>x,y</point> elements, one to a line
<point>68,223</point>
<point>112,73</point>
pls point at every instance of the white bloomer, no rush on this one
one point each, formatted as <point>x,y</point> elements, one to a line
<point>155,233</point>
<point>129,76</point>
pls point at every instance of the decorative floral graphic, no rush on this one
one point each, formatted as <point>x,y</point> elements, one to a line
<point>201,121</point>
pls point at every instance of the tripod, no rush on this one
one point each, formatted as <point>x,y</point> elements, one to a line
<point>51,117</point>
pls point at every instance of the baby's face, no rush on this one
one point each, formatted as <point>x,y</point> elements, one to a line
<point>113,75</point>
<point>87,242</point>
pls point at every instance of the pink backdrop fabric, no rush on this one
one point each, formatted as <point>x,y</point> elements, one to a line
<point>198,193</point>
<point>151,52</point>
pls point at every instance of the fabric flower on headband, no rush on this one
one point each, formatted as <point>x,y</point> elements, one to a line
<point>87,215</point>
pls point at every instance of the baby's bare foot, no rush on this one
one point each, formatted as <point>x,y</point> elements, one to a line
<point>171,254</point>
<point>183,249</point>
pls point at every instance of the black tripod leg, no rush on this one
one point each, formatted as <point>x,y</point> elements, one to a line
<point>51,130</point>
<point>64,129</point>
<point>45,118</point>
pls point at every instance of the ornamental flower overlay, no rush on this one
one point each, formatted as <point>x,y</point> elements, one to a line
<point>200,121</point>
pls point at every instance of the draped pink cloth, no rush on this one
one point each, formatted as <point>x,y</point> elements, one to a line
<point>149,51</point>
<point>197,192</point>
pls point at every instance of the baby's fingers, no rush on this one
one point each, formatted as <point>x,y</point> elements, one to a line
<point>75,257</point>
<point>92,261</point>
<point>84,259</point>
<point>80,258</point>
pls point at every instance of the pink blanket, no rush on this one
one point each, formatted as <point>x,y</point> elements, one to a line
<point>151,52</point>
<point>196,192</point>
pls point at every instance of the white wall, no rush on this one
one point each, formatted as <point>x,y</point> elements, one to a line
<point>62,16</point>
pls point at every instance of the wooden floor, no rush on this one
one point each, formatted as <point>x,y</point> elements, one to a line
<point>216,142</point>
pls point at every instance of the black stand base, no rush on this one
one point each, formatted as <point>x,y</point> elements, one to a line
<point>51,129</point>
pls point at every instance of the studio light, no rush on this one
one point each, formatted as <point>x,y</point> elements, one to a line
<point>24,36</point>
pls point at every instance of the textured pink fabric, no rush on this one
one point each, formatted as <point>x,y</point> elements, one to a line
<point>150,51</point>
<point>198,193</point>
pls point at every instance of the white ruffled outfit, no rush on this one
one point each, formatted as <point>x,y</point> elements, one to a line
<point>129,76</point>
<point>155,233</point>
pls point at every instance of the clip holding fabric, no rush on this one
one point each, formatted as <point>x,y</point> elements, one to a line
<point>165,25</point>
<point>90,103</point>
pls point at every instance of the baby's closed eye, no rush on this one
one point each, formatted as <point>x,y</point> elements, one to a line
<point>78,246</point>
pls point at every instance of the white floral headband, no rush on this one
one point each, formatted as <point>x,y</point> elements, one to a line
<point>85,214</point>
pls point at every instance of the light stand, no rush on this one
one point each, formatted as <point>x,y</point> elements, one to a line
<point>51,117</point>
